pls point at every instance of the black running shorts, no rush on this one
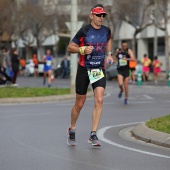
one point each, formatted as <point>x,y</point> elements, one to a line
<point>133,69</point>
<point>124,73</point>
<point>82,81</point>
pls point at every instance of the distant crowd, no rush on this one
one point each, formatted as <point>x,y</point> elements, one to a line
<point>11,65</point>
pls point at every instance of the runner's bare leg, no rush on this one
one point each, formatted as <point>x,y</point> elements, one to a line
<point>97,111</point>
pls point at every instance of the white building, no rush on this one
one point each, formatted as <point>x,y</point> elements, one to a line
<point>145,41</point>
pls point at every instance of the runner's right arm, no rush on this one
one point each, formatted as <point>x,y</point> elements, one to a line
<point>74,48</point>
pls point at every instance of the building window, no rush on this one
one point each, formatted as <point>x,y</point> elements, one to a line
<point>161,47</point>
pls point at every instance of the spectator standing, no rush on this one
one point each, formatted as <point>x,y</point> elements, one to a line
<point>15,65</point>
<point>132,66</point>
<point>35,61</point>
<point>7,61</point>
<point>3,76</point>
<point>145,64</point>
<point>64,66</point>
<point>23,64</point>
<point>1,59</point>
<point>156,69</point>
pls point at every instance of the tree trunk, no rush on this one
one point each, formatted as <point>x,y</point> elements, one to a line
<point>28,52</point>
<point>134,44</point>
<point>40,50</point>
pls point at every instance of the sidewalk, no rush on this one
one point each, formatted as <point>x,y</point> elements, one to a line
<point>148,135</point>
<point>41,99</point>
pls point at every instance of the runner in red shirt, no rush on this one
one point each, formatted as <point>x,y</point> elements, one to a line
<point>156,69</point>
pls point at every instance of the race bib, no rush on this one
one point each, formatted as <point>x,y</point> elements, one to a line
<point>95,75</point>
<point>157,65</point>
<point>48,63</point>
<point>146,63</point>
<point>122,62</point>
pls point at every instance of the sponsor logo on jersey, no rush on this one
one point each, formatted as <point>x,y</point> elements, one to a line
<point>120,56</point>
<point>95,63</point>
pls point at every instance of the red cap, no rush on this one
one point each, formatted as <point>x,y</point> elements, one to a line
<point>98,10</point>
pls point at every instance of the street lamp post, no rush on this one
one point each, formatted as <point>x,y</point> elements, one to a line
<point>155,32</point>
<point>73,56</point>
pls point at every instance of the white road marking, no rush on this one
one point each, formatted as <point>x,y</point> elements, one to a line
<point>148,97</point>
<point>101,137</point>
<point>141,97</point>
<point>142,102</point>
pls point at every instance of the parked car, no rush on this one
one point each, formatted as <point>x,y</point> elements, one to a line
<point>111,71</point>
<point>29,68</point>
<point>40,67</point>
<point>58,70</point>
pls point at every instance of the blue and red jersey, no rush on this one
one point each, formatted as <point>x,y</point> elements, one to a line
<point>98,38</point>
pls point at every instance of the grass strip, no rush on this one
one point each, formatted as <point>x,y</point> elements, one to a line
<point>13,92</point>
<point>161,124</point>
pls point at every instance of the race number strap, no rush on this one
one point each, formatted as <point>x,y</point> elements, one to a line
<point>123,62</point>
<point>157,65</point>
<point>146,63</point>
<point>95,75</point>
<point>48,63</point>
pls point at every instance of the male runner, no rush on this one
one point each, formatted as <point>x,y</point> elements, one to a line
<point>122,56</point>
<point>91,42</point>
<point>47,59</point>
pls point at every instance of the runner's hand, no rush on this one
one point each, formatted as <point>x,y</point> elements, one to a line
<point>89,49</point>
<point>109,60</point>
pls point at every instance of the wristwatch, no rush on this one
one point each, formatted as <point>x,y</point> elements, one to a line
<point>109,53</point>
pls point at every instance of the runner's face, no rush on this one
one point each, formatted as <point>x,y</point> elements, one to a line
<point>124,46</point>
<point>48,52</point>
<point>97,20</point>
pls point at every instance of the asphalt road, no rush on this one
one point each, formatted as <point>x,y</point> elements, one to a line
<point>33,136</point>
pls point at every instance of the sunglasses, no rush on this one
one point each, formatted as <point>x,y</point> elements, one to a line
<point>101,15</point>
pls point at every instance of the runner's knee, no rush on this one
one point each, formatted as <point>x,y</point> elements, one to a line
<point>79,106</point>
<point>99,101</point>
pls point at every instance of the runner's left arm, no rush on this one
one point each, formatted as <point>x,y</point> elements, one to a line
<point>109,50</point>
<point>132,57</point>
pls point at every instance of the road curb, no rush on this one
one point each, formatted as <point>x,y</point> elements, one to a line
<point>148,135</point>
<point>43,99</point>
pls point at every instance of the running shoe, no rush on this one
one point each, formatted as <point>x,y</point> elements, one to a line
<point>120,95</point>
<point>49,85</point>
<point>126,101</point>
<point>71,137</point>
<point>94,140</point>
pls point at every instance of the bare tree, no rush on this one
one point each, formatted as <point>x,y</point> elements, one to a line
<point>7,26</point>
<point>34,25</point>
<point>161,19</point>
<point>136,13</point>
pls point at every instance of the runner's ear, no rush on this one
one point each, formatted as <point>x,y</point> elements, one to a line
<point>91,16</point>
